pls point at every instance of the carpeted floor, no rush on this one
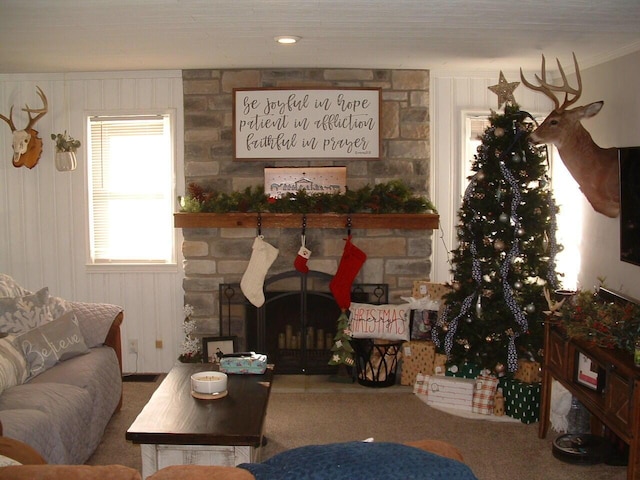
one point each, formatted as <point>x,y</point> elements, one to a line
<point>305,411</point>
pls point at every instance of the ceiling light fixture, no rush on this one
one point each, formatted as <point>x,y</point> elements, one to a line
<point>287,39</point>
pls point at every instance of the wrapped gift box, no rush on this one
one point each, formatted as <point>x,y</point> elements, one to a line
<point>467,370</point>
<point>446,391</point>
<point>254,363</point>
<point>521,400</point>
<point>417,357</point>
<point>484,394</point>
<point>439,364</point>
<point>528,371</point>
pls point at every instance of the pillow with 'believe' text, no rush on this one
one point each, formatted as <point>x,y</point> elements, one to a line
<point>54,342</point>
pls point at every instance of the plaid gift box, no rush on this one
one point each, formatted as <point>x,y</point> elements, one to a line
<point>521,400</point>
<point>484,394</point>
<point>417,357</point>
<point>421,387</point>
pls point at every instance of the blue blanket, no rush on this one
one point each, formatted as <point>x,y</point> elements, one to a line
<point>359,460</point>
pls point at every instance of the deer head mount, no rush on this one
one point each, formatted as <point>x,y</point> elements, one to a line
<point>27,146</point>
<point>594,168</point>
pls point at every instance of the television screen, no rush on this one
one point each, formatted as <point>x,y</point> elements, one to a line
<point>630,205</point>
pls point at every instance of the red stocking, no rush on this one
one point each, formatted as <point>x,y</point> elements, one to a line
<point>301,259</point>
<point>352,260</point>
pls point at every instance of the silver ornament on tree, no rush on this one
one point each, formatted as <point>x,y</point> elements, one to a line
<point>530,308</point>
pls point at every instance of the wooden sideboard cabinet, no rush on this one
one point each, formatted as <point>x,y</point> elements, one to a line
<point>614,401</point>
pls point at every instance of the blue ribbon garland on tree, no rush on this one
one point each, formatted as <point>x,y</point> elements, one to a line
<point>518,314</point>
<point>476,274</point>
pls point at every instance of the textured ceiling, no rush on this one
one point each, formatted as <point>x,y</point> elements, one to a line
<point>481,35</point>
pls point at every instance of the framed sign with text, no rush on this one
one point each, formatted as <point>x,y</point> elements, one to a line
<point>300,123</point>
<point>280,181</point>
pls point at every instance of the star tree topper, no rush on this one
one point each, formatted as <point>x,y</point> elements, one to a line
<point>504,90</point>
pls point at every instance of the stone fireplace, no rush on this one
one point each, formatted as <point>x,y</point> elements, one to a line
<point>219,256</point>
<point>297,323</point>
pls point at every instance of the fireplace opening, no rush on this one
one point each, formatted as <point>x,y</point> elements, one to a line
<point>296,325</point>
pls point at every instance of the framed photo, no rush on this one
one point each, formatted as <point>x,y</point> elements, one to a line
<point>422,321</point>
<point>314,180</point>
<point>589,374</point>
<point>214,347</point>
<point>303,123</point>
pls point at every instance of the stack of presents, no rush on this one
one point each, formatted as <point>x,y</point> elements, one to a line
<point>464,387</point>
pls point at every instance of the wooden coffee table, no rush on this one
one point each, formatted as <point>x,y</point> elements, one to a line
<point>174,428</point>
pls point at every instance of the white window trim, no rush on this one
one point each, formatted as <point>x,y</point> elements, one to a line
<point>134,267</point>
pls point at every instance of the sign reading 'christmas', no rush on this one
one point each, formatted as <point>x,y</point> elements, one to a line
<point>388,322</point>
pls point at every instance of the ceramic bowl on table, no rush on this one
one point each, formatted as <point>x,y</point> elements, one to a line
<point>209,383</point>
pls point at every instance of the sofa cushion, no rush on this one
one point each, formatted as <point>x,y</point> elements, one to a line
<point>346,461</point>
<point>21,314</point>
<point>13,366</point>
<point>55,419</point>
<point>53,342</point>
<point>9,287</point>
<point>97,372</point>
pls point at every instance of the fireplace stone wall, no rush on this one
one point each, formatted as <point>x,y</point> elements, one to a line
<point>220,255</point>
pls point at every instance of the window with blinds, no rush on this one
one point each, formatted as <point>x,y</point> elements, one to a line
<point>131,189</point>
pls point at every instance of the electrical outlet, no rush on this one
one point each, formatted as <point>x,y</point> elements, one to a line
<point>133,346</point>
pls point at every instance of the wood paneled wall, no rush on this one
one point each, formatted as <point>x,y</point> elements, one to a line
<point>43,213</point>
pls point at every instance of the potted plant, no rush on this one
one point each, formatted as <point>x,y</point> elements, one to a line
<point>66,147</point>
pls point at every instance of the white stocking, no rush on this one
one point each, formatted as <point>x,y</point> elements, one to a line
<point>252,283</point>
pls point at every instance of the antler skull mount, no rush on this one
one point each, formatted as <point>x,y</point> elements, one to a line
<point>27,146</point>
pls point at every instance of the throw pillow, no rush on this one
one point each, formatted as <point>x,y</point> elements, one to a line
<point>346,461</point>
<point>389,322</point>
<point>13,366</point>
<point>51,343</point>
<point>9,287</point>
<point>6,461</point>
<point>58,307</point>
<point>21,314</point>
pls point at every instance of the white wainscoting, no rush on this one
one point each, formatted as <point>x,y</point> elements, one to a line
<point>43,212</point>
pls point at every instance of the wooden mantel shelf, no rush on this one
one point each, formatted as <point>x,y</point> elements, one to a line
<point>406,221</point>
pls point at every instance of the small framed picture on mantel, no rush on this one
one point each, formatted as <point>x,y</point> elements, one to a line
<point>314,180</point>
<point>302,123</point>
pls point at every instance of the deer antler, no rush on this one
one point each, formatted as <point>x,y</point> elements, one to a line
<point>9,120</point>
<point>548,88</point>
<point>40,111</point>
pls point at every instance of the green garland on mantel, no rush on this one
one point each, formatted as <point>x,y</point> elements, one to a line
<point>390,197</point>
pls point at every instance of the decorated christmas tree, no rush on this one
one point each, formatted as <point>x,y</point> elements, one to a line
<point>506,249</point>
<point>342,349</point>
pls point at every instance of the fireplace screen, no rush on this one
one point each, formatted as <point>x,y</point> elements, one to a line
<point>297,323</point>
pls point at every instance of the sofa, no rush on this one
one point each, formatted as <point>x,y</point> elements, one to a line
<point>60,371</point>
<point>423,459</point>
